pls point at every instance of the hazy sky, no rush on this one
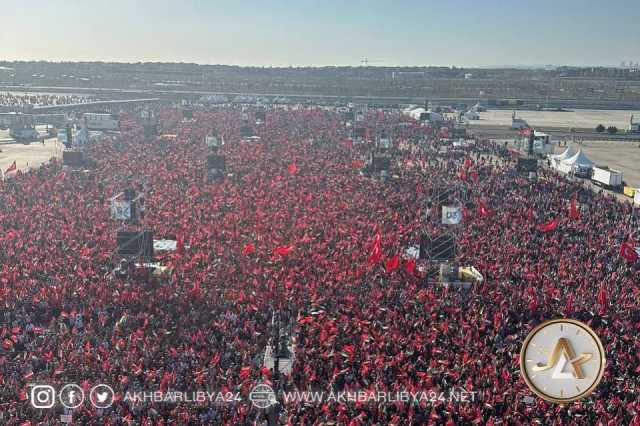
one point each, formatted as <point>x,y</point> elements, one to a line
<point>324,32</point>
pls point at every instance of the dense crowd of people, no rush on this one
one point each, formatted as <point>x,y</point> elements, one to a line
<point>9,99</point>
<point>291,229</point>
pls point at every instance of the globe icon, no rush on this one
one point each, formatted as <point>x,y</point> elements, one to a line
<point>262,396</point>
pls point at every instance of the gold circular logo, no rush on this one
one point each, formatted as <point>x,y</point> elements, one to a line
<point>562,360</point>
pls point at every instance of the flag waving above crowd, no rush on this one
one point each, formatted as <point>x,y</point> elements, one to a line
<point>292,255</point>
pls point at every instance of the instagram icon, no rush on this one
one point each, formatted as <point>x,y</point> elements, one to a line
<point>42,396</point>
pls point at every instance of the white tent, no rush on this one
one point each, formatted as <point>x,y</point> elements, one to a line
<point>557,159</point>
<point>579,159</point>
<point>568,153</point>
<point>577,163</point>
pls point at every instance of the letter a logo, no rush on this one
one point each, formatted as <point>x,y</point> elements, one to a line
<point>561,355</point>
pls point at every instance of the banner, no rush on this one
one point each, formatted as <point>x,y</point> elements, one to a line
<point>384,143</point>
<point>451,215</point>
<point>121,210</point>
<point>211,141</point>
<point>412,252</point>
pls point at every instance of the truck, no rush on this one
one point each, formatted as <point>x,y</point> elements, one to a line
<point>604,176</point>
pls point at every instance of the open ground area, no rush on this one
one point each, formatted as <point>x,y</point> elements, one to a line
<point>623,156</point>
<point>577,119</point>
<point>27,156</point>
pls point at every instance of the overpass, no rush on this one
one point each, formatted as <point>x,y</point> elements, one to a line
<point>175,95</point>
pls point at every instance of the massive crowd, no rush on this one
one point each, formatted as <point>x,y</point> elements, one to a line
<point>9,99</point>
<point>292,229</point>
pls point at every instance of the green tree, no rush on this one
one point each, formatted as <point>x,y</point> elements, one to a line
<point>612,130</point>
<point>600,128</point>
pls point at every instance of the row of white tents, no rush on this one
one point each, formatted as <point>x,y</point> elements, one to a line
<point>571,161</point>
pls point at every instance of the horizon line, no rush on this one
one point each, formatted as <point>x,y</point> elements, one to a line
<point>494,66</point>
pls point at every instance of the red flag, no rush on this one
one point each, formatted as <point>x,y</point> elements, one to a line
<point>60,177</point>
<point>474,176</point>
<point>305,320</point>
<point>245,372</point>
<point>12,168</point>
<point>180,246</point>
<point>357,164</point>
<point>533,304</point>
<point>628,252</point>
<point>483,209</point>
<point>410,266</point>
<point>349,350</point>
<point>348,143</point>
<point>392,263</point>
<point>549,226</point>
<point>463,175</point>
<point>265,372</point>
<point>602,296</point>
<point>377,240</point>
<point>376,255</point>
<point>283,251</point>
<point>467,163</point>
<point>215,359</point>
<point>573,209</point>
<point>292,169</point>
<point>248,249</point>
<point>569,307</point>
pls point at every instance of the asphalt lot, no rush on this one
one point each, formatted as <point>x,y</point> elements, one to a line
<point>619,155</point>
<point>27,156</point>
<point>578,119</point>
<point>622,156</point>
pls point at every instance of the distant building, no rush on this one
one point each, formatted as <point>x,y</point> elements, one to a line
<point>634,127</point>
